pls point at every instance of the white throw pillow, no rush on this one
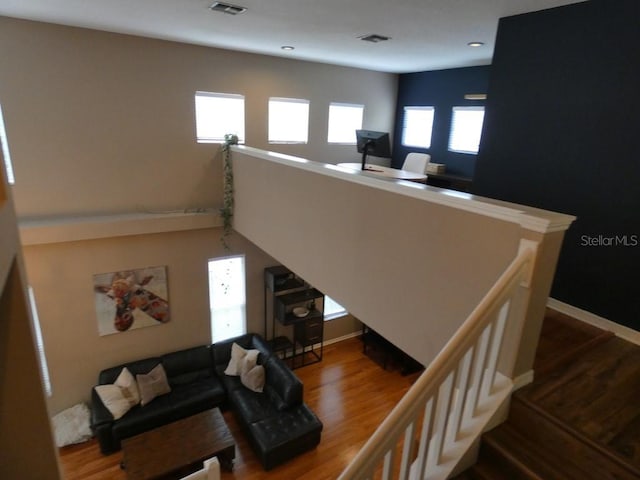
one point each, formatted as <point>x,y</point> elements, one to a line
<point>113,398</point>
<point>241,360</point>
<point>120,396</point>
<point>129,386</point>
<point>254,379</point>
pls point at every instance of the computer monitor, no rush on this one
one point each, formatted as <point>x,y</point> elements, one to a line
<point>373,143</point>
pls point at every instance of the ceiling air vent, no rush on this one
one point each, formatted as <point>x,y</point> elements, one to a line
<point>374,38</point>
<point>227,8</point>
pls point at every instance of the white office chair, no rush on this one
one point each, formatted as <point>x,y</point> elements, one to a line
<point>416,162</point>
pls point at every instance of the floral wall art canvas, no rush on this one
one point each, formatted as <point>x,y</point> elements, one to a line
<point>131,299</point>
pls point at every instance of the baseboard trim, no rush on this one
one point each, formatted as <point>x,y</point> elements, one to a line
<point>523,380</point>
<point>621,331</point>
<point>342,338</point>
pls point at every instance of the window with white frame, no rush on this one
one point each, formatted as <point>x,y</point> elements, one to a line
<point>218,114</point>
<point>332,309</point>
<point>5,151</point>
<point>344,120</point>
<point>417,126</point>
<point>44,369</point>
<point>288,120</point>
<point>466,129</point>
<point>227,297</point>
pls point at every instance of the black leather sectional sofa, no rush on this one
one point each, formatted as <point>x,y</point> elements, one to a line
<point>277,422</point>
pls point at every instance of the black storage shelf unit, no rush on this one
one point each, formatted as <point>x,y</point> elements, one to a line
<point>287,293</point>
<point>304,299</point>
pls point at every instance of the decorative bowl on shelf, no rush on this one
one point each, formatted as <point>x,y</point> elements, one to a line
<point>300,312</point>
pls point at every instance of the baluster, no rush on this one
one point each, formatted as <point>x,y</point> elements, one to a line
<point>440,422</point>
<point>407,451</point>
<point>387,469</point>
<point>494,351</point>
<point>479,356</point>
<point>425,436</point>
<point>462,374</point>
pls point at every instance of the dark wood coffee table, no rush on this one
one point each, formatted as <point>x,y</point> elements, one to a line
<point>178,445</point>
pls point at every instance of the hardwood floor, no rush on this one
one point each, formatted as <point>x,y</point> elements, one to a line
<point>350,393</point>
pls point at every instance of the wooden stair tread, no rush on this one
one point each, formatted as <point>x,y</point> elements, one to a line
<point>577,448</point>
<point>520,458</point>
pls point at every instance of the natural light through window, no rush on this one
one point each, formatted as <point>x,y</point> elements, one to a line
<point>227,297</point>
<point>417,126</point>
<point>288,120</point>
<point>332,309</point>
<point>44,369</point>
<point>344,120</point>
<point>5,150</point>
<point>218,114</point>
<point>466,129</point>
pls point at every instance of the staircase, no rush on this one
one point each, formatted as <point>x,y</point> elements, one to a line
<point>580,419</point>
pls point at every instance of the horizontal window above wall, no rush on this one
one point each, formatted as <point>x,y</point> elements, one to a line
<point>288,120</point>
<point>466,129</point>
<point>417,126</point>
<point>219,114</point>
<point>344,120</point>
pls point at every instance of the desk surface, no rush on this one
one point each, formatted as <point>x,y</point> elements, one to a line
<point>385,171</point>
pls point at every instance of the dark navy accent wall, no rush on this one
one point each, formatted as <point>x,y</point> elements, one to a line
<point>442,89</point>
<point>562,132</point>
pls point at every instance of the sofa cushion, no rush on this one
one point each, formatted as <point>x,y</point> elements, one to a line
<point>109,375</point>
<point>197,396</point>
<point>187,365</point>
<point>281,384</point>
<point>251,406</point>
<point>277,438</point>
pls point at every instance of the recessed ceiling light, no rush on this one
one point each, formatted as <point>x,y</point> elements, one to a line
<point>287,47</point>
<point>475,44</point>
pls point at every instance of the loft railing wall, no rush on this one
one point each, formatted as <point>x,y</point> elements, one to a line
<point>409,260</point>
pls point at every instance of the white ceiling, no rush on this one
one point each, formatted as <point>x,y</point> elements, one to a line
<point>425,34</point>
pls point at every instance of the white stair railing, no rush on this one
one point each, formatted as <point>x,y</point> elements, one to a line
<point>455,397</point>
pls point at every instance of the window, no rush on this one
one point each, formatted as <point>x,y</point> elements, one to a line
<point>44,369</point>
<point>288,120</point>
<point>344,120</point>
<point>227,297</point>
<point>332,309</point>
<point>5,151</point>
<point>466,128</point>
<point>218,114</point>
<point>417,126</point>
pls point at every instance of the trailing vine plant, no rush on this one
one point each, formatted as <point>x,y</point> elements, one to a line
<point>226,212</point>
